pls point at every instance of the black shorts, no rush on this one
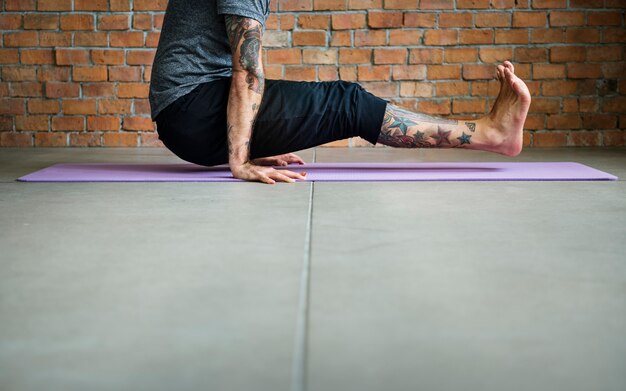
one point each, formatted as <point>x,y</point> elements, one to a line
<point>293,116</point>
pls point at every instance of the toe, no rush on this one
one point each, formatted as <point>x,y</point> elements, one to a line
<point>509,65</point>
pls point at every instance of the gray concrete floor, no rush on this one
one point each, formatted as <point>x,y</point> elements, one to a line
<point>326,286</point>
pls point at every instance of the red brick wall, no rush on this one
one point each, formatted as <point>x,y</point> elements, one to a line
<point>75,72</point>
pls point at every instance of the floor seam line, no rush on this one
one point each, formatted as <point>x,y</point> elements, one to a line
<point>298,380</point>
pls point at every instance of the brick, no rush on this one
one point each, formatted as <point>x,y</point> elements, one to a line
<point>152,39</point>
<point>558,87</point>
<point>272,22</point>
<point>31,122</point>
<point>512,36</point>
<point>119,5</point>
<point>126,39</point>
<point>77,22</point>
<point>91,39</point>
<point>120,139</point>
<point>541,4</point>
<point>43,106</point>
<point>425,56</point>
<point>107,57</point>
<point>19,73</point>
<point>401,4</point>
<point>85,139</point>
<point>347,73</point>
<point>50,39</point>
<point>439,72</point>
<point>529,19</point>
<point>461,55</point>
<point>554,35</point>
<point>417,89</point>
<point>140,57</point>
<point>405,37</point>
<point>138,124</point>
<point>20,5</point>
<point>377,19</point>
<point>584,139</point>
<point>476,36</point>
<point>37,56</point>
<point>582,71</point>
<point>10,22</point>
<point>309,38</point>
<point>472,4</point>
<point>419,19</point>
<point>141,106</point>
<point>614,138</point>
<point>295,5</point>
<point>327,73</point>
<point>103,122</point>
<point>460,106</point>
<point>41,22</point>
<point>98,89</point>
<point>284,56</point>
<point>79,106</point>
<point>132,90</point>
<point>150,140</point>
<point>9,56</point>
<point>604,18</point>
<point>557,18</point>
<point>613,70</point>
<point>370,38</point>
<point>545,105</point>
<point>355,56</point>
<point>115,106</point>
<point>287,22</point>
<point>599,121</point>
<point>441,37</point>
<point>341,38</point>
<point>374,73</point>
<point>319,56</point>
<point>95,73</point>
<point>21,39</point>
<point>530,55</point>
<point>614,104</point>
<point>45,139</point>
<point>364,4</point>
<point>149,5</point>
<point>299,73</point>
<point>11,106</point>
<point>71,56</point>
<point>92,5</point>
<point>53,73</point>
<point>10,139</point>
<point>452,88</point>
<point>326,5</point>
<point>460,19</point>
<point>54,5</point>
<point>381,89</point>
<point>62,90</point>
<point>436,4</point>
<point>142,22</point>
<point>390,56</point>
<point>493,19</point>
<point>604,53</point>
<point>564,121</point>
<point>567,54</point>
<point>6,124</point>
<point>614,35</point>
<point>75,123</point>
<point>115,22</point>
<point>574,35</point>
<point>26,89</point>
<point>273,72</point>
<point>313,22</point>
<point>479,71</point>
<point>548,71</point>
<point>550,139</point>
<point>348,21</point>
<point>435,107</point>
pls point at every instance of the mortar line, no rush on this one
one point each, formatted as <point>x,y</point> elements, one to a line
<point>298,371</point>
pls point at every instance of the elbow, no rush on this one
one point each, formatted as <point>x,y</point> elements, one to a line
<point>254,77</point>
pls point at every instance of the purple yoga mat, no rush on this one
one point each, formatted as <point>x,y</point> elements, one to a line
<point>324,172</point>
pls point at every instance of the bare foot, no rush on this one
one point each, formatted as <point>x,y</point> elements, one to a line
<point>505,123</point>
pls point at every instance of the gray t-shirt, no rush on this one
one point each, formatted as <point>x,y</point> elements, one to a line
<point>194,48</point>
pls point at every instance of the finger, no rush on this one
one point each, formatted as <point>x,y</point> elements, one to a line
<point>281,177</point>
<point>266,179</point>
<point>282,163</point>
<point>294,175</point>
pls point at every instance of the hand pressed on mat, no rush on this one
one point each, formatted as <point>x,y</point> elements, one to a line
<point>269,175</point>
<point>279,160</point>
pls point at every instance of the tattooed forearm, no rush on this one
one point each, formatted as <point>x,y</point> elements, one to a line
<point>235,149</point>
<point>245,40</point>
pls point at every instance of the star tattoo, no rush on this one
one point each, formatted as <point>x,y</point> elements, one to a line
<point>464,139</point>
<point>402,124</point>
<point>442,137</point>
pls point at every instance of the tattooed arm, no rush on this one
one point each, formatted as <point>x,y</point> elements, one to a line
<point>246,92</point>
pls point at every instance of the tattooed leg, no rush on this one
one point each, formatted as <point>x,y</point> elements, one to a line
<point>405,129</point>
<point>500,131</point>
